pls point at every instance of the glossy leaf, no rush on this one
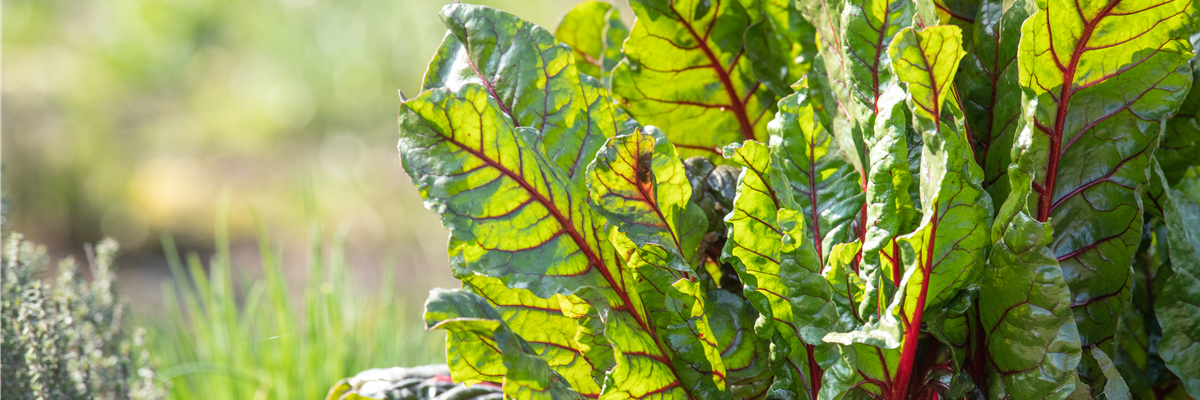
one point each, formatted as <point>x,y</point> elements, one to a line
<point>686,72</point>
<point>926,60</point>
<point>943,255</point>
<point>1098,78</point>
<point>1024,307</point>
<point>869,26</point>
<point>1178,301</point>
<point>479,341</point>
<point>675,306</point>
<point>595,32</point>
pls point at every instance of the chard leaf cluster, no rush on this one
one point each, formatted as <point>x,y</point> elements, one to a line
<point>817,199</point>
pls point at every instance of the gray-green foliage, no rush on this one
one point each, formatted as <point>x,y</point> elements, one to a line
<point>68,340</point>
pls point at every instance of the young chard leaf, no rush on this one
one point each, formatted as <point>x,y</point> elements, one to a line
<point>945,253</point>
<point>685,73</point>
<point>638,182</point>
<point>824,186</point>
<point>480,342</point>
<point>1098,77</point>
<point>780,271</point>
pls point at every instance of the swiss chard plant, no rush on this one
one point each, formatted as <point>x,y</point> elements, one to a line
<point>822,199</point>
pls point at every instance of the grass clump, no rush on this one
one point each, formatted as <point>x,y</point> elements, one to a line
<point>224,340</point>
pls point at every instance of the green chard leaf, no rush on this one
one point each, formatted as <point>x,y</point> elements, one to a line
<point>876,142</point>
<point>1095,95</point>
<point>685,72</point>
<point>515,215</point>
<point>480,347</point>
<point>780,271</point>
<point>869,26</point>
<point>1140,332</point>
<point>595,32</point>
<point>1178,301</point>
<point>675,306</point>
<point>988,85</point>
<point>533,78</point>
<point>961,13</point>
<point>783,44</point>
<point>744,353</point>
<point>944,254</point>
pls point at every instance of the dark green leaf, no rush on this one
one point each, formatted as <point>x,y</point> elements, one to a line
<point>987,84</point>
<point>1178,301</point>
<point>1098,78</point>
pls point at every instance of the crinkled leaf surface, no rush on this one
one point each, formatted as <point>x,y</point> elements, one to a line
<point>479,341</point>
<point>533,79</point>
<point>944,254</point>
<point>869,26</point>
<point>1098,79</point>
<point>948,246</point>
<point>516,216</point>
<point>1024,307</point>
<point>686,72</point>
<point>675,306</point>
<point>824,186</point>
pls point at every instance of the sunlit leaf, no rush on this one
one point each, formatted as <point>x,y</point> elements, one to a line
<point>594,31</point>
<point>686,72</point>
<point>479,340</point>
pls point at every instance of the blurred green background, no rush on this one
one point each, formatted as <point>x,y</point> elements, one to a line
<point>131,118</point>
<point>145,119</point>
